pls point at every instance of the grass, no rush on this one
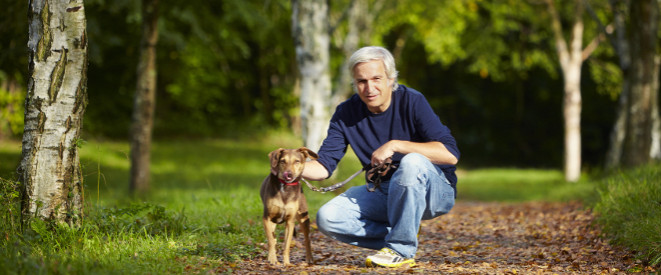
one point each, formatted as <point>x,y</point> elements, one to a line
<point>203,211</point>
<point>515,185</point>
<point>630,210</point>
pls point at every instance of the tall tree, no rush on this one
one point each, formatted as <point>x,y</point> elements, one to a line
<point>513,40</point>
<point>571,59</point>
<point>145,99</point>
<point>310,30</point>
<point>55,103</point>
<point>360,16</point>
<point>636,134</point>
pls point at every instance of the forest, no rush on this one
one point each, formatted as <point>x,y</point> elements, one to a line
<point>566,89</point>
<point>489,68</point>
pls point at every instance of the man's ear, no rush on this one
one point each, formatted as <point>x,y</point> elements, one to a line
<point>308,153</point>
<point>275,158</point>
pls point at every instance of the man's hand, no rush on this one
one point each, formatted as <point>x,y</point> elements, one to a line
<point>384,152</point>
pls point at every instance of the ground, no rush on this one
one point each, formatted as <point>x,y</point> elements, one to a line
<point>479,238</point>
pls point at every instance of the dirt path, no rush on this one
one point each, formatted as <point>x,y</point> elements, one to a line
<point>481,238</point>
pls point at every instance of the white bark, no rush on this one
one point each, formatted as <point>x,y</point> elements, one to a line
<point>655,148</point>
<point>55,102</point>
<point>311,35</point>
<point>571,59</point>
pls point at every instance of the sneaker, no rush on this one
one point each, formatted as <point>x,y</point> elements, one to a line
<point>387,257</point>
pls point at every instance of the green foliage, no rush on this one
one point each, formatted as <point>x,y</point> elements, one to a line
<point>12,98</point>
<point>231,71</point>
<point>630,210</point>
<point>498,39</point>
<point>14,30</point>
<point>9,207</point>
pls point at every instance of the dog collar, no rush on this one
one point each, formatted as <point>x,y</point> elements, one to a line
<point>288,183</point>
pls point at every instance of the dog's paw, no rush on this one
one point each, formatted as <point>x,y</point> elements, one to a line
<point>273,260</point>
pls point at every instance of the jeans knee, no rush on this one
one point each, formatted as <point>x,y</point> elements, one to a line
<point>325,215</point>
<point>413,160</point>
<point>412,169</point>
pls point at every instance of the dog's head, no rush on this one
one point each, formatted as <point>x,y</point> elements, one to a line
<point>288,164</point>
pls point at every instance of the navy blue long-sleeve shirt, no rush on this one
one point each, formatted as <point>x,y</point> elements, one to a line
<point>409,117</point>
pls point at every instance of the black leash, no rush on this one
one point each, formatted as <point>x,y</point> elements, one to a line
<point>374,175</point>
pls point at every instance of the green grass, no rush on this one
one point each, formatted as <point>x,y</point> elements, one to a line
<point>515,185</point>
<point>203,208</point>
<point>630,210</point>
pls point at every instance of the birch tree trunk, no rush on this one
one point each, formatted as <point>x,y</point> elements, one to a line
<point>643,94</point>
<point>571,59</point>
<point>636,134</point>
<point>145,99</point>
<point>55,102</point>
<point>310,31</point>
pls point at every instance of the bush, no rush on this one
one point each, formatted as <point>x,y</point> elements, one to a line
<point>630,211</point>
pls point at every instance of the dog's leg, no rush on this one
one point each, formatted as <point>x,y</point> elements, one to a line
<point>289,234</point>
<point>269,229</point>
<point>305,228</point>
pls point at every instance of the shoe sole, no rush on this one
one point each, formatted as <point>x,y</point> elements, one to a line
<point>406,263</point>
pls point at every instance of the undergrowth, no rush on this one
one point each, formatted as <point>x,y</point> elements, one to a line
<point>630,211</point>
<point>134,239</point>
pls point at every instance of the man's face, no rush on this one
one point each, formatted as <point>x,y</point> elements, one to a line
<point>373,85</point>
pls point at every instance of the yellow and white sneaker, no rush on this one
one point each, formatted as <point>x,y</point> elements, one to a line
<point>387,257</point>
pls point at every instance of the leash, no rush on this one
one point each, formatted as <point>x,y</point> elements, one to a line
<point>374,175</point>
<point>334,186</point>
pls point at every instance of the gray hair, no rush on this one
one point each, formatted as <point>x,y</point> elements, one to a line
<point>371,53</point>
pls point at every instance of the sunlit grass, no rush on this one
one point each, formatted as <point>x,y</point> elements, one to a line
<point>512,184</point>
<point>630,210</point>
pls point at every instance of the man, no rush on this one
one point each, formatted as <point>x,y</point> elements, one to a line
<point>386,120</point>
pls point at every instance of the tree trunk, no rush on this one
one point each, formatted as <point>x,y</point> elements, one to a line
<point>360,17</point>
<point>311,36</point>
<point>571,59</point>
<point>572,105</point>
<point>636,136</point>
<point>621,46</point>
<point>643,101</point>
<point>55,102</point>
<point>145,99</point>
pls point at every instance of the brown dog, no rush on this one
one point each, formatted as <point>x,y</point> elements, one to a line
<point>283,200</point>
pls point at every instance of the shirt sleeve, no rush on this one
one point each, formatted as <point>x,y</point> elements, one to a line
<point>335,145</point>
<point>431,128</point>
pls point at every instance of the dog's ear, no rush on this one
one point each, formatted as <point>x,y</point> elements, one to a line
<point>308,153</point>
<point>275,157</point>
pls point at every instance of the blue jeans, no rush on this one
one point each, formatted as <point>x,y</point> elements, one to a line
<point>389,217</point>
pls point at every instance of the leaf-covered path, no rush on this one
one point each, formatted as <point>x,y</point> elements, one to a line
<point>480,238</point>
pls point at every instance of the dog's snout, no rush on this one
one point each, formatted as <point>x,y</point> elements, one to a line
<point>288,175</point>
